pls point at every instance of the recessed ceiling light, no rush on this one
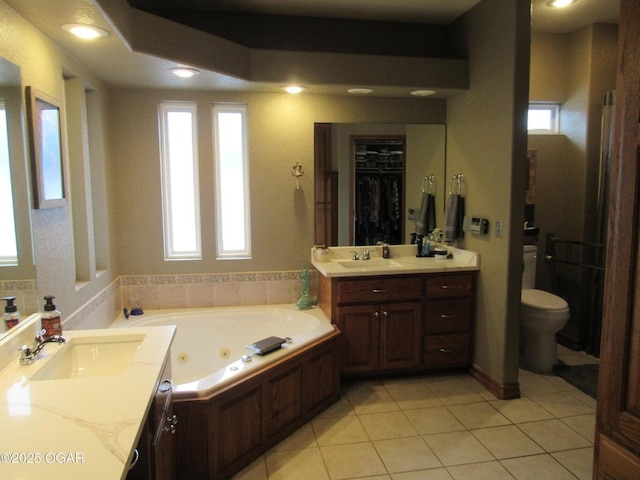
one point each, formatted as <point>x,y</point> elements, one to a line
<point>293,88</point>
<point>184,72</point>
<point>360,91</point>
<point>560,3</point>
<point>423,93</point>
<point>83,31</point>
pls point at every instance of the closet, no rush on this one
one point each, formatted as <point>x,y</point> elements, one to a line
<point>378,189</point>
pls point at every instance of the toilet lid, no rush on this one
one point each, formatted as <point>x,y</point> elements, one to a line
<point>543,300</point>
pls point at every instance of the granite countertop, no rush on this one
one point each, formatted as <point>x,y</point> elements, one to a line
<point>79,427</point>
<point>402,260</point>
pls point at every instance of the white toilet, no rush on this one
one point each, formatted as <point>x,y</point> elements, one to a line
<point>543,314</point>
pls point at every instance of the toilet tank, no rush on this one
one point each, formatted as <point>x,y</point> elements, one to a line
<point>529,254</point>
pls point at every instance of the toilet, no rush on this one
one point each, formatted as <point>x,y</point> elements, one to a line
<point>543,314</point>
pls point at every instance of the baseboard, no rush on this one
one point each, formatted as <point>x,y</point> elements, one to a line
<point>501,391</point>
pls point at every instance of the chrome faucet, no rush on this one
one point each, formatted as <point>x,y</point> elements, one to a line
<point>365,255</point>
<point>29,354</point>
<point>355,255</point>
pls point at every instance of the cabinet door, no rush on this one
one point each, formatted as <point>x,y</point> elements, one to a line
<point>360,326</point>
<point>400,335</point>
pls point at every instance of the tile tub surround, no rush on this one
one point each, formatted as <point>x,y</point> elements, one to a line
<point>157,292</point>
<point>441,427</point>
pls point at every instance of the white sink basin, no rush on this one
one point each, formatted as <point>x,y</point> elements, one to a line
<point>364,264</point>
<point>88,357</point>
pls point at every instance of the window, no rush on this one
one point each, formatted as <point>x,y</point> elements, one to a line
<point>543,118</point>
<point>8,243</point>
<point>180,192</point>
<point>233,232</point>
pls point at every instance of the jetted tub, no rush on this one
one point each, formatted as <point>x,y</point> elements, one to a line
<point>209,345</point>
<point>232,411</point>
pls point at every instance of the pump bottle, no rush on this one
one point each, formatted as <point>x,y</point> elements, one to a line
<point>11,314</point>
<point>51,317</point>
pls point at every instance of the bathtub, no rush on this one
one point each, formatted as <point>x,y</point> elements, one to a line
<point>208,349</point>
<point>231,410</point>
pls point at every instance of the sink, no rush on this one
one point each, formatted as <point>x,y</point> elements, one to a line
<point>90,357</point>
<point>364,264</point>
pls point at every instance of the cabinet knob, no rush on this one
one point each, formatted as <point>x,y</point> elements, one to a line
<point>173,419</point>
<point>376,314</point>
<point>171,429</point>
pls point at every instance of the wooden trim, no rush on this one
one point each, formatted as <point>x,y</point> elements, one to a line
<point>501,391</point>
<point>615,462</point>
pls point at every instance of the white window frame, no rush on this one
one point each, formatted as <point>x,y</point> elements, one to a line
<point>9,225</point>
<point>225,217</point>
<point>171,252</point>
<point>554,109</point>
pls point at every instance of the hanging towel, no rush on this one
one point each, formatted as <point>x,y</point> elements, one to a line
<point>421,218</point>
<point>453,217</point>
<point>426,218</point>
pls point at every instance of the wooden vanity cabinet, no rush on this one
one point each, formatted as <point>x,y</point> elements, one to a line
<point>402,322</point>
<point>448,320</point>
<point>156,450</point>
<point>380,319</point>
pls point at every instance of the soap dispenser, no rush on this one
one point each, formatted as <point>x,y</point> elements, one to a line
<point>51,317</point>
<point>11,314</point>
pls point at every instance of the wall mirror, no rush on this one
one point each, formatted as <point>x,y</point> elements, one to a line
<point>17,267</point>
<point>423,155</point>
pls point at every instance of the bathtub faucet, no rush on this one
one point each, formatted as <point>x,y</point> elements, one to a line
<point>29,354</point>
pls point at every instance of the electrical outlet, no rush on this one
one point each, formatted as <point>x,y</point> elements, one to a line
<point>498,228</point>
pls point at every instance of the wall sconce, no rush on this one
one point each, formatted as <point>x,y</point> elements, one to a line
<point>297,172</point>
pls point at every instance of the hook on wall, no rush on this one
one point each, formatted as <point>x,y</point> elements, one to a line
<point>297,172</point>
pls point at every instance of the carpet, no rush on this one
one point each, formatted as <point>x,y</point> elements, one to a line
<point>583,377</point>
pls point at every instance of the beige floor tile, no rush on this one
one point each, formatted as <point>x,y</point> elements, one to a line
<point>382,426</point>
<point>406,454</point>
<point>531,385</point>
<point>478,415</point>
<point>341,408</point>
<point>585,425</point>
<point>455,393</point>
<point>287,464</point>
<point>561,404</point>
<point>480,471</point>
<point>304,437</point>
<point>334,431</point>
<point>579,462</point>
<point>521,410</point>
<point>457,448</point>
<point>350,461</point>
<point>554,436</point>
<point>374,400</point>
<point>412,395</point>
<point>257,470</point>
<point>434,474</point>
<point>429,421</point>
<point>507,442</point>
<point>583,397</point>
<point>537,467</point>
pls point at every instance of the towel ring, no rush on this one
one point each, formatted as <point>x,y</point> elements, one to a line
<point>431,186</point>
<point>458,178</point>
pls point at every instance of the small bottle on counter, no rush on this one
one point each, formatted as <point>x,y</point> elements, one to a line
<point>51,322</point>
<point>11,313</point>
<point>385,251</point>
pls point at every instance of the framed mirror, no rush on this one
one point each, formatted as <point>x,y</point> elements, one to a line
<point>46,149</point>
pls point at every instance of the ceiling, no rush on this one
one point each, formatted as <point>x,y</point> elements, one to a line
<point>113,61</point>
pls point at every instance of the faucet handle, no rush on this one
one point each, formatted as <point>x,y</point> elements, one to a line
<point>355,255</point>
<point>26,355</point>
<point>40,336</point>
<point>365,255</point>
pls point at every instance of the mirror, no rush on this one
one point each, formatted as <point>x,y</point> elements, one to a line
<point>17,269</point>
<point>423,156</point>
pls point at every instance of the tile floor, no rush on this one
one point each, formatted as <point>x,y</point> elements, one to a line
<point>442,427</point>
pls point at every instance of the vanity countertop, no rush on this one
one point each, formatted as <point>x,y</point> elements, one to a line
<point>79,427</point>
<point>339,262</point>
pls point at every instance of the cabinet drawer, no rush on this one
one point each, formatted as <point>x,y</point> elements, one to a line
<point>379,289</point>
<point>456,285</point>
<point>447,316</point>
<point>447,350</point>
